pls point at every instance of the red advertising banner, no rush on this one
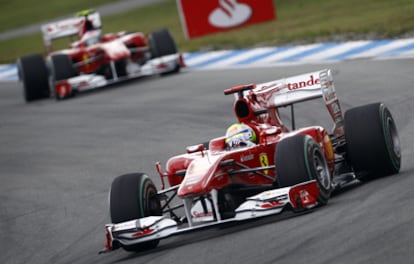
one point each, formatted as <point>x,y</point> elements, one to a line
<point>203,17</point>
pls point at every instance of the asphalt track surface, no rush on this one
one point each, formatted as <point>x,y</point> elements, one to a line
<point>58,159</point>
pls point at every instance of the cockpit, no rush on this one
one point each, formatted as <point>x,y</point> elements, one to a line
<point>91,37</point>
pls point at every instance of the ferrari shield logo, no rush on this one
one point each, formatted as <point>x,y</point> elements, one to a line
<point>264,161</point>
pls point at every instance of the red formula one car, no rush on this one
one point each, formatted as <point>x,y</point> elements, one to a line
<point>275,169</point>
<point>95,59</point>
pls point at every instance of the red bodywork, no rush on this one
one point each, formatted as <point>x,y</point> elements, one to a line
<point>96,60</point>
<point>205,170</point>
<point>88,58</point>
<point>113,47</point>
<point>217,184</point>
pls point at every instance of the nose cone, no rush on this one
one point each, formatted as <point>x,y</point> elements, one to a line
<point>195,177</point>
<point>201,177</point>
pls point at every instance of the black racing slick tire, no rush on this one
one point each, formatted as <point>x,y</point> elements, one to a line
<point>162,43</point>
<point>134,196</point>
<point>299,159</point>
<point>62,67</point>
<point>373,144</point>
<point>34,75</point>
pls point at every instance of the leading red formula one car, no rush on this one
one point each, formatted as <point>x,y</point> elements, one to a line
<point>95,59</point>
<point>275,169</point>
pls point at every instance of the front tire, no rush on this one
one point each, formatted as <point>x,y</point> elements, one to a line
<point>299,159</point>
<point>133,196</point>
<point>372,140</point>
<point>33,73</point>
<point>61,69</point>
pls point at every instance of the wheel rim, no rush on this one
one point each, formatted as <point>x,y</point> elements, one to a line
<point>153,205</point>
<point>322,170</point>
<point>393,138</point>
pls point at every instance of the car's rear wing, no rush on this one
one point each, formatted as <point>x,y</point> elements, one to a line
<point>295,89</point>
<point>301,88</point>
<point>287,91</point>
<point>67,27</point>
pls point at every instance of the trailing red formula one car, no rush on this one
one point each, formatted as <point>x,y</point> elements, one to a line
<point>95,59</point>
<point>259,168</point>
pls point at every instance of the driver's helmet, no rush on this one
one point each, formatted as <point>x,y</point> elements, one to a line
<point>91,37</point>
<point>239,135</point>
<point>85,13</point>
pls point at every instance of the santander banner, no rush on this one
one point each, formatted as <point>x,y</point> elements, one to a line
<point>203,17</point>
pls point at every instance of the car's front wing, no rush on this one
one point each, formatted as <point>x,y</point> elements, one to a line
<point>84,82</point>
<point>298,197</point>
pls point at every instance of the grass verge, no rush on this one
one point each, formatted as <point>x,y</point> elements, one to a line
<point>299,21</point>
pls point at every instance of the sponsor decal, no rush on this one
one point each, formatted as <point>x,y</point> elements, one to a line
<point>202,214</point>
<point>264,161</point>
<point>230,13</point>
<point>329,93</point>
<point>205,17</point>
<point>143,232</point>
<point>274,88</point>
<point>305,197</point>
<point>246,158</point>
<point>303,84</point>
<point>202,210</point>
<point>271,204</point>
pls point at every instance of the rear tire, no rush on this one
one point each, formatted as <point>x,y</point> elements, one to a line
<point>299,159</point>
<point>133,196</point>
<point>33,73</point>
<point>373,145</point>
<point>161,44</point>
